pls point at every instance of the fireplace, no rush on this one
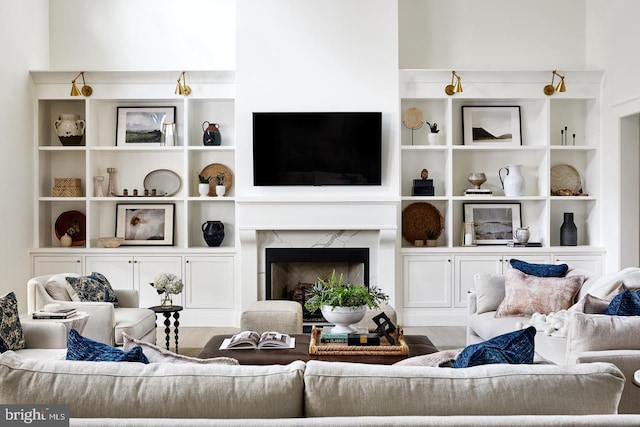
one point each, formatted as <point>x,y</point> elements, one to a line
<point>289,271</point>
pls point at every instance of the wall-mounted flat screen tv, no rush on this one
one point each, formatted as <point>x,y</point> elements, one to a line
<point>306,148</point>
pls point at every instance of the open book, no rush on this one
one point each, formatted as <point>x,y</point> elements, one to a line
<point>251,339</point>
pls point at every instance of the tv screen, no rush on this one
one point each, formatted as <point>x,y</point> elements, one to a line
<point>317,148</point>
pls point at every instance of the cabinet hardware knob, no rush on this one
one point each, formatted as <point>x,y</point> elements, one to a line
<point>78,261</point>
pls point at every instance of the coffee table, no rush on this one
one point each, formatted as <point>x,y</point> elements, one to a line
<point>418,345</point>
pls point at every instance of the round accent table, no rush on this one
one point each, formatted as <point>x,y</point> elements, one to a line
<point>167,312</point>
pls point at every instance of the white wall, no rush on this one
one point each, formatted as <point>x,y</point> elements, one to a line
<point>492,34</point>
<point>24,31</point>
<point>142,35</point>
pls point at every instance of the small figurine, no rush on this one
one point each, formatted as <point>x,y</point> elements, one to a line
<point>424,174</point>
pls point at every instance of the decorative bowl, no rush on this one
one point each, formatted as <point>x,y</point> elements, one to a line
<point>477,179</point>
<point>111,242</point>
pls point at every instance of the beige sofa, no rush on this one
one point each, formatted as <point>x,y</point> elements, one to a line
<point>316,393</point>
<point>588,337</point>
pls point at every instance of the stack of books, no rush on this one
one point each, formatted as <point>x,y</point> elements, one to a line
<point>361,337</point>
<point>63,313</point>
<point>514,244</point>
<point>478,192</point>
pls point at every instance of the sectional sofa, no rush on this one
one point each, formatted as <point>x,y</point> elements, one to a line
<point>316,393</point>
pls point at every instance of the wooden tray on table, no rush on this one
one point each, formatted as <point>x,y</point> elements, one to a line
<point>384,349</point>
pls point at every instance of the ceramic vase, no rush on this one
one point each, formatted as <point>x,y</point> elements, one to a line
<point>343,317</point>
<point>568,231</point>
<point>70,129</point>
<point>66,240</point>
<point>220,190</point>
<point>211,135</point>
<point>213,233</point>
<point>203,190</point>
<point>513,182</point>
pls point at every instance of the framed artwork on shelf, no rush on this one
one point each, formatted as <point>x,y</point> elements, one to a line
<point>142,126</point>
<point>491,125</point>
<point>145,224</point>
<point>494,223</point>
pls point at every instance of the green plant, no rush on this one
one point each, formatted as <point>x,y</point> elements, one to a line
<point>432,234</point>
<point>220,178</point>
<point>335,293</point>
<point>433,127</point>
<point>204,179</point>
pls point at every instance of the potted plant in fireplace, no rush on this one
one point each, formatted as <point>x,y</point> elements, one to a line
<point>342,303</point>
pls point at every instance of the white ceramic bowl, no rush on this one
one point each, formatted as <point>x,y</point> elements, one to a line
<point>111,242</point>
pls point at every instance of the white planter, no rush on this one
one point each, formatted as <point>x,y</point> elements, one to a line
<point>433,138</point>
<point>220,190</point>
<point>203,189</point>
<point>343,317</point>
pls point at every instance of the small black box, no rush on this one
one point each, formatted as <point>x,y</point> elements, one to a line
<point>422,183</point>
<point>423,191</point>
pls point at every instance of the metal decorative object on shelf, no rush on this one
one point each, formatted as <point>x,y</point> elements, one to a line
<point>111,187</point>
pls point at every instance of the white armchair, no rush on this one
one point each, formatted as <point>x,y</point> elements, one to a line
<point>106,323</point>
<point>43,340</point>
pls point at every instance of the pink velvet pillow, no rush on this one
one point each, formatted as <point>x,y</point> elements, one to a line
<point>525,294</point>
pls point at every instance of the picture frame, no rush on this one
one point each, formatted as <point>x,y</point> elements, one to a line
<point>491,125</point>
<point>145,224</point>
<point>142,126</point>
<point>494,223</point>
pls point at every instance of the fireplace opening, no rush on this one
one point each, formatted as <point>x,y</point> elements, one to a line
<point>290,271</point>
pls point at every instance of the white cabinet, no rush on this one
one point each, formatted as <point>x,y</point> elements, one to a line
<point>137,272</point>
<point>590,263</point>
<point>427,281</point>
<point>210,282</point>
<point>45,265</point>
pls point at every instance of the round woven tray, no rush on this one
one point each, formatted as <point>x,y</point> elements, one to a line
<point>565,180</point>
<point>214,169</point>
<point>418,218</point>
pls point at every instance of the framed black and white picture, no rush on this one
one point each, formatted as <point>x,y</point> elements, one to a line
<point>491,125</point>
<point>494,223</point>
<point>145,224</point>
<point>141,126</point>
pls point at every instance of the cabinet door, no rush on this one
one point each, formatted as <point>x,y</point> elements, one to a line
<point>592,264</point>
<point>466,267</point>
<point>44,265</point>
<point>210,281</point>
<point>116,268</point>
<point>427,281</point>
<point>146,268</point>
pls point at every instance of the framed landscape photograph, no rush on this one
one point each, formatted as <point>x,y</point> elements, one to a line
<point>140,126</point>
<point>145,224</point>
<point>488,125</point>
<point>494,223</point>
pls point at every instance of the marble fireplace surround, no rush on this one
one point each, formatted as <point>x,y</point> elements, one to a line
<point>316,224</point>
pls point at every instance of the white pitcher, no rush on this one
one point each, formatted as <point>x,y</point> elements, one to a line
<point>513,182</point>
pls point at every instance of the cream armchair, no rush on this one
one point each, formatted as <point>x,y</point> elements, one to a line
<point>106,323</point>
<point>43,340</point>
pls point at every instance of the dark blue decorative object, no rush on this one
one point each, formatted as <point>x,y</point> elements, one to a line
<point>81,348</point>
<point>540,270</point>
<point>568,231</point>
<point>93,288</point>
<point>514,348</point>
<point>626,303</point>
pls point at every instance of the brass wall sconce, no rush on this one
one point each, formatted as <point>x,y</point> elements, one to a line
<point>453,87</point>
<point>85,90</point>
<point>550,89</point>
<point>182,88</point>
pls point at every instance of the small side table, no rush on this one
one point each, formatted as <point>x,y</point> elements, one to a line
<point>78,321</point>
<point>166,312</point>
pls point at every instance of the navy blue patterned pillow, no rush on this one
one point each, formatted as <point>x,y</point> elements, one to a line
<point>82,348</point>
<point>540,270</point>
<point>11,337</point>
<point>93,288</point>
<point>514,348</point>
<point>626,303</point>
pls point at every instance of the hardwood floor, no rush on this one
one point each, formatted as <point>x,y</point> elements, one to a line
<point>196,337</point>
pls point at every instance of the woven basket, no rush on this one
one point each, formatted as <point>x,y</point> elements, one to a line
<point>67,187</point>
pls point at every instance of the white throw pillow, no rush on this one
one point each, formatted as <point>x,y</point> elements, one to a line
<point>489,291</point>
<point>157,354</point>
<point>595,332</point>
<point>59,289</point>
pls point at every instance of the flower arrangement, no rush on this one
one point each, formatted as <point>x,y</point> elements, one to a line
<point>167,284</point>
<point>335,293</point>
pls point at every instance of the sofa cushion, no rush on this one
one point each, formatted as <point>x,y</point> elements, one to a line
<point>353,389</point>
<point>594,332</point>
<point>93,288</point>
<point>157,354</point>
<point>135,322</point>
<point>591,305</point>
<point>82,348</point>
<point>11,336</point>
<point>489,291</point>
<point>626,303</point>
<point>514,347</point>
<point>525,294</point>
<point>540,270</point>
<point>156,390</point>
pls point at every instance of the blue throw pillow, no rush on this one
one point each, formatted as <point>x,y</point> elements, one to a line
<point>82,348</point>
<point>11,336</point>
<point>93,288</point>
<point>513,348</point>
<point>540,270</point>
<point>626,303</point>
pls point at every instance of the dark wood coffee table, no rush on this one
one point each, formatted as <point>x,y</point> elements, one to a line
<point>418,345</point>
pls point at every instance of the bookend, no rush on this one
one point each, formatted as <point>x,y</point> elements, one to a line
<point>384,327</point>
